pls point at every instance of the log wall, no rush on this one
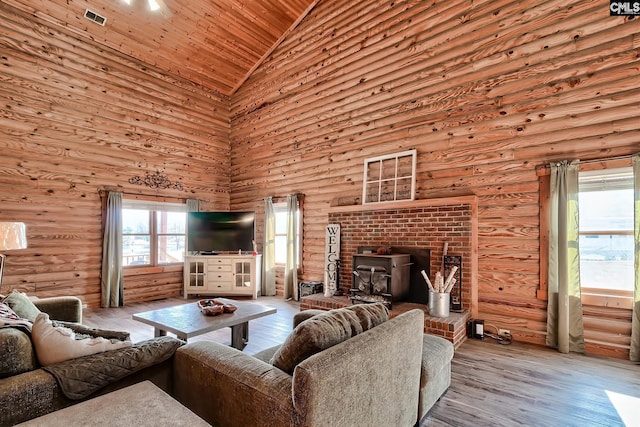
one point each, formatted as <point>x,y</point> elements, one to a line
<point>485,91</point>
<point>77,118</point>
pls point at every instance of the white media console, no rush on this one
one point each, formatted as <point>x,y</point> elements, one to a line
<point>222,275</point>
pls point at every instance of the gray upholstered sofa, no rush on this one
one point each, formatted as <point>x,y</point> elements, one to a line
<point>435,375</point>
<point>372,371</point>
<point>380,375</point>
<point>28,391</point>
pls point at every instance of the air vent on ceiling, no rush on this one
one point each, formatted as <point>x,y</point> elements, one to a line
<point>95,17</point>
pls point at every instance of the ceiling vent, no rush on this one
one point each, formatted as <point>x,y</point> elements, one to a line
<point>95,17</point>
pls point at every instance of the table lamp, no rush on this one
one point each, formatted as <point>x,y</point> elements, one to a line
<point>13,235</point>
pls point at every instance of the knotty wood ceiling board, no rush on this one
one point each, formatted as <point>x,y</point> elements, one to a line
<point>215,43</point>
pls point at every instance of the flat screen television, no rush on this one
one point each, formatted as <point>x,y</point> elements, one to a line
<point>211,232</point>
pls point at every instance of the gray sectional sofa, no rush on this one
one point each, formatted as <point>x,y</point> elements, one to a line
<point>390,373</point>
<point>28,390</point>
<point>348,366</point>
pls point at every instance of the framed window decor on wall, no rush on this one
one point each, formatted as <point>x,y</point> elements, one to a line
<point>389,178</point>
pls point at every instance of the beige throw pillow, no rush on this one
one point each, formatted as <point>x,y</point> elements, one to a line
<point>57,344</point>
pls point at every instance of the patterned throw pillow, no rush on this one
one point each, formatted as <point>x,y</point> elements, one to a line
<point>9,318</point>
<point>22,305</point>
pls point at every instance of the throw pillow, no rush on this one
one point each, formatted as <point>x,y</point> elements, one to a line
<point>22,305</point>
<point>314,335</point>
<point>370,315</point>
<point>57,344</point>
<point>83,331</point>
<point>17,352</point>
<point>7,315</point>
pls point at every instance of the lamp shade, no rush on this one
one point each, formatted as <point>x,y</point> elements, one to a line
<point>13,235</point>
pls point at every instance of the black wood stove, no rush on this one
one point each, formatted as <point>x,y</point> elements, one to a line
<point>380,278</point>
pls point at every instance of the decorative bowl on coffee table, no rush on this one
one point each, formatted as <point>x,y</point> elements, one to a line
<point>212,307</point>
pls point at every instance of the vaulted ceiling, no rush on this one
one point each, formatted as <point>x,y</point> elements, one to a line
<point>215,43</point>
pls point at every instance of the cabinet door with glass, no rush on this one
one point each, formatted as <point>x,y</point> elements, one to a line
<point>242,279</point>
<point>196,274</point>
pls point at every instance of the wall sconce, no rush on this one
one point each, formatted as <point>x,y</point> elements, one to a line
<point>13,235</point>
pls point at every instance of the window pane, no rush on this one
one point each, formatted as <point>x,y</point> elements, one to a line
<point>171,222</point>
<point>606,230</point>
<point>606,262</point>
<point>170,249</point>
<point>135,221</point>
<point>387,191</point>
<point>606,210</point>
<point>388,169</point>
<point>281,221</point>
<point>405,166</point>
<point>373,190</point>
<point>136,250</point>
<point>281,249</point>
<point>404,189</point>
<point>605,247</point>
<point>373,171</point>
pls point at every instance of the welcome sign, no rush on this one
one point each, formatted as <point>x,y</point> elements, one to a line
<point>331,259</point>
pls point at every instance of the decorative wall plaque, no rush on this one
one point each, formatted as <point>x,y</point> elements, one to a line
<point>156,180</point>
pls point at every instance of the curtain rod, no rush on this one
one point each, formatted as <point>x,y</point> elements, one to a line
<point>105,190</point>
<point>300,195</point>
<point>591,161</point>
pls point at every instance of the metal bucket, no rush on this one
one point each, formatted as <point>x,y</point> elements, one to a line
<point>439,304</point>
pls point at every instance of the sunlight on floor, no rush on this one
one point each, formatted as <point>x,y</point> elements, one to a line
<point>627,407</point>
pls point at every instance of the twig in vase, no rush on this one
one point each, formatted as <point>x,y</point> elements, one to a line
<point>439,283</point>
<point>447,284</point>
<point>450,286</point>
<point>426,279</point>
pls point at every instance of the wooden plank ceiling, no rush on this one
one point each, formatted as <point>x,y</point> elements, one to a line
<point>214,43</point>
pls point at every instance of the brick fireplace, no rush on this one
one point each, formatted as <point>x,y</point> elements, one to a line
<point>421,224</point>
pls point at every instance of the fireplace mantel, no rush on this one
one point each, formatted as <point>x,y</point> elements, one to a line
<point>422,203</point>
<point>471,201</point>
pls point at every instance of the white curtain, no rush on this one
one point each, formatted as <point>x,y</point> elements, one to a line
<point>193,205</point>
<point>564,311</point>
<point>268,284</point>
<point>112,287</point>
<point>634,353</point>
<point>291,265</point>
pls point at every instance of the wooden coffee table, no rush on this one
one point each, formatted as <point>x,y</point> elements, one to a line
<point>187,321</point>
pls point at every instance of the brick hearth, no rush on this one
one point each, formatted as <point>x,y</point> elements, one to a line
<point>452,328</point>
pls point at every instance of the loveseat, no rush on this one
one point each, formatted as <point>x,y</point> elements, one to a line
<point>28,391</point>
<point>335,369</point>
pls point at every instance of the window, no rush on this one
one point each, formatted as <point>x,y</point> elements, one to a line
<point>153,233</point>
<point>606,231</point>
<point>280,211</point>
<point>389,178</point>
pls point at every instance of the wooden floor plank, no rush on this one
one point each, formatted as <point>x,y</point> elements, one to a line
<point>491,384</point>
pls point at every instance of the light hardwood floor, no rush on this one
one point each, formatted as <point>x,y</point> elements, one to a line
<point>491,384</point>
